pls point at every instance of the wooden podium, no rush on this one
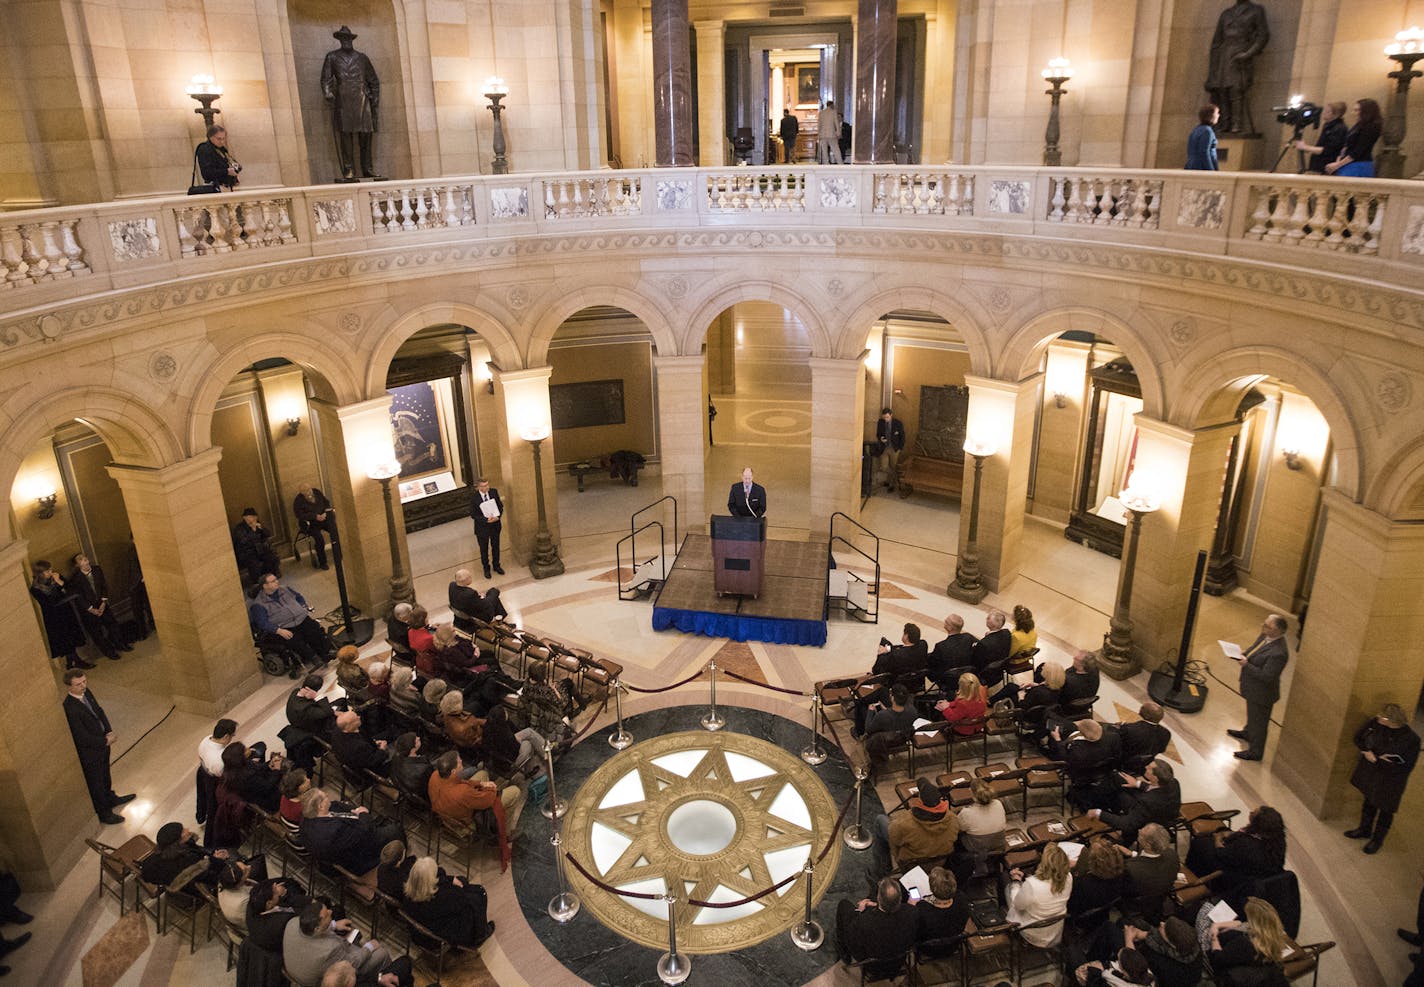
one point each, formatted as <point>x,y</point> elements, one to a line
<point>738,551</point>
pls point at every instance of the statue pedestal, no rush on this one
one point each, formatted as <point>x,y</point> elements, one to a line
<point>1235,152</point>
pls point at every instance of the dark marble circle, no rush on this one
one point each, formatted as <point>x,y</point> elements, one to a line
<point>599,955</point>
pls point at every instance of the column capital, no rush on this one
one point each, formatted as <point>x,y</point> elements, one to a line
<point>1171,432</point>
<point>682,364</point>
<point>169,477</point>
<point>993,384</point>
<point>1365,522</point>
<point>836,365</point>
<point>526,373</point>
<point>348,412</point>
<point>717,25</point>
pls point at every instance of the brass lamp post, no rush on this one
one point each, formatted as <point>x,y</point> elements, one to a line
<point>967,585</point>
<point>383,473</point>
<point>546,561</point>
<point>496,90</point>
<point>1055,74</point>
<point>1117,658</point>
<point>1406,49</point>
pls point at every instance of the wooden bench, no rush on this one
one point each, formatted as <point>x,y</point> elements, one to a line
<point>625,469</point>
<point>941,476</point>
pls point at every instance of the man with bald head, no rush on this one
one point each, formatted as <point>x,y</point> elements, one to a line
<point>315,517</point>
<point>354,750</point>
<point>992,650</point>
<point>1261,668</point>
<point>955,651</point>
<point>468,604</point>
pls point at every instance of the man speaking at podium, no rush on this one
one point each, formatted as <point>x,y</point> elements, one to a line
<point>747,499</point>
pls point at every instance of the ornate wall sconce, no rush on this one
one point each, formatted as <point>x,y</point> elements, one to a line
<point>1057,72</point>
<point>206,91</point>
<point>496,90</point>
<point>46,504</point>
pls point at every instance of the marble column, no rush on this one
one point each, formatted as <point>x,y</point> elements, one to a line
<point>1000,412</point>
<point>672,84</point>
<point>712,142</point>
<point>44,806</point>
<point>1183,469</point>
<point>1359,650</point>
<point>184,544</point>
<point>837,431</point>
<point>521,400</point>
<point>874,122</point>
<point>354,438</point>
<point>682,434</point>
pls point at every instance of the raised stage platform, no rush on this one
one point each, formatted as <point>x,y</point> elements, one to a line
<point>790,610</point>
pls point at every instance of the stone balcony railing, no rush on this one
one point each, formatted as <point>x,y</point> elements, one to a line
<point>1372,229</point>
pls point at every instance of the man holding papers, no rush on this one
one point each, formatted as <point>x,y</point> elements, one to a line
<point>487,510</point>
<point>1261,667</point>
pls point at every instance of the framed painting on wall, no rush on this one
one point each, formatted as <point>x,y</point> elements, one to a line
<point>417,429</point>
<point>808,85</point>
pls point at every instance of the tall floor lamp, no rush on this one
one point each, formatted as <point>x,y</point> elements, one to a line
<point>1058,72</point>
<point>546,561</point>
<point>1117,658</point>
<point>967,585</point>
<point>384,473</point>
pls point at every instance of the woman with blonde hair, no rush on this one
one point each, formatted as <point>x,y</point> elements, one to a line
<point>966,711</point>
<point>453,910</point>
<point>1042,895</point>
<point>404,698</point>
<point>1260,941</point>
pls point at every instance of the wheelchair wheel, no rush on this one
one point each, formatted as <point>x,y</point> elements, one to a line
<point>272,664</point>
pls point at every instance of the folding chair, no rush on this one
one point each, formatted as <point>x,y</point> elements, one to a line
<point>427,942</point>
<point>1044,957</point>
<point>878,968</point>
<point>228,934</point>
<point>979,736</point>
<point>117,865</point>
<point>1306,959</point>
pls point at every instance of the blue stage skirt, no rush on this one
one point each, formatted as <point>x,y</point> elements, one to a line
<point>740,628</point>
<point>1357,169</point>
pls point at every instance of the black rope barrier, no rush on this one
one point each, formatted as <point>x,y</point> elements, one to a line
<point>764,685</point>
<point>668,688</point>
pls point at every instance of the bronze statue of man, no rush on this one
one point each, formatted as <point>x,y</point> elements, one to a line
<point>350,86</point>
<point>1241,35</point>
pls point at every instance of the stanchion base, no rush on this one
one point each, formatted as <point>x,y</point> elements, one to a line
<point>674,968</point>
<point>361,632</point>
<point>813,755</point>
<point>620,740</point>
<point>857,837</point>
<point>807,935</point>
<point>563,907</point>
<point>713,722</point>
<point>554,808</point>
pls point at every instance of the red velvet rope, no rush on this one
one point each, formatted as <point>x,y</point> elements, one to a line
<point>764,685</point>
<point>594,719</point>
<point>668,688</point>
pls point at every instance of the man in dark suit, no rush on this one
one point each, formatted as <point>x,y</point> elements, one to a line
<point>316,517</point>
<point>1143,739</point>
<point>889,443</point>
<point>309,720</point>
<point>410,769</point>
<point>1261,667</point>
<point>88,580</point>
<point>93,736</point>
<point>747,499</point>
<point>467,602</point>
<point>1151,871</point>
<point>488,512</point>
<point>250,543</point>
<point>955,651</point>
<point>354,750</point>
<point>342,835</point>
<point>788,131</point>
<point>1156,797</point>
<point>992,649</point>
<point>1088,753</point>
<point>904,662</point>
<point>1081,681</point>
<point>877,929</point>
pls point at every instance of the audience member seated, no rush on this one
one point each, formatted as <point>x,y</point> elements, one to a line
<point>1024,636</point>
<point>251,778</point>
<point>314,942</point>
<point>885,728</point>
<point>1041,895</point>
<point>1171,950</point>
<point>547,710</point>
<point>453,658</point>
<point>468,604</point>
<point>422,641</point>
<point>404,698</point>
<point>1151,871</point>
<point>945,913</point>
<point>249,543</point>
<point>342,974</point>
<point>487,689</point>
<point>1128,969</point>
<point>1245,856</point>
<point>178,860</point>
<point>955,651</point>
<point>905,663</point>
<point>982,822</point>
<point>992,650</point>
<point>351,676</point>
<point>310,719</point>
<point>509,752</point>
<point>347,837</point>
<point>354,749</point>
<point>464,729</point>
<point>283,612</point>
<point>970,703</point>
<point>1081,680</point>
<point>379,686</point>
<point>430,696</point>
<point>1257,945</point>
<point>393,869</point>
<point>295,784</point>
<point>1144,738</point>
<point>458,798</point>
<point>451,909</point>
<point>1038,700</point>
<point>235,886</point>
<point>1155,797</point>
<point>270,906</point>
<point>1099,878</point>
<point>398,632</point>
<point>874,929</point>
<point>410,769</point>
<point>924,831</point>
<point>1088,753</point>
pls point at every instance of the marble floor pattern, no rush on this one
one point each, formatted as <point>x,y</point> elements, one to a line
<point>1355,900</point>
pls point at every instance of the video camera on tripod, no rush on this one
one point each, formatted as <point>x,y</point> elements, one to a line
<point>1298,114</point>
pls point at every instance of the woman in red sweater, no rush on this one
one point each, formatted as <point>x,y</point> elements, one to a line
<point>968,705</point>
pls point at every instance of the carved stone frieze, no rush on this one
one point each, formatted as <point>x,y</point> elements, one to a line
<point>1393,391</point>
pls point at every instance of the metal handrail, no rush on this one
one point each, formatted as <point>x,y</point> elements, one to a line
<point>618,555</point>
<point>873,560</point>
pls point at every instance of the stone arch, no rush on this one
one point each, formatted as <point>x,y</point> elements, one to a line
<point>134,432</point>
<point>504,350</point>
<point>922,299</point>
<point>723,298</point>
<point>1024,348</point>
<point>1211,392</point>
<point>1398,492</point>
<point>571,299</point>
<point>334,379</point>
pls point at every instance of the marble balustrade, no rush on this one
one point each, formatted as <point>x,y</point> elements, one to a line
<point>136,242</point>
